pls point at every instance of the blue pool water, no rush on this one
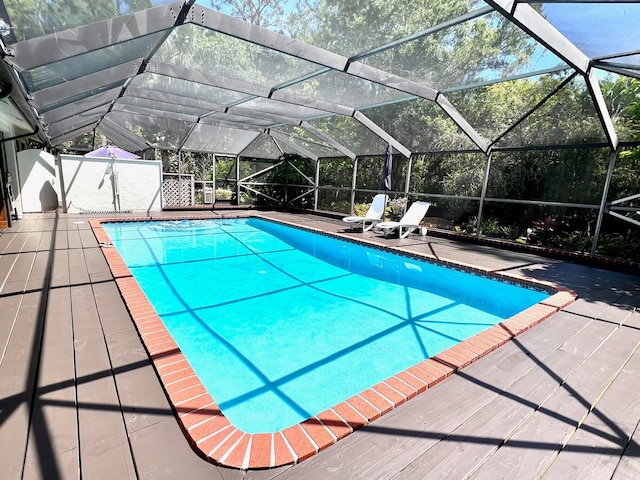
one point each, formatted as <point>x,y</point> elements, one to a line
<point>281,324</point>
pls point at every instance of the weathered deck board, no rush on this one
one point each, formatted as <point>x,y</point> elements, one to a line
<point>15,243</point>
<point>103,438</point>
<point>15,378</point>
<point>481,436</point>
<point>16,280</point>
<point>60,269</point>
<point>78,274</point>
<point>62,238</point>
<point>9,306</point>
<point>517,405</point>
<point>6,239</point>
<point>87,238</point>
<point>32,243</point>
<point>553,424</point>
<point>37,277</point>
<point>14,413</point>
<point>556,420</point>
<point>73,239</point>
<point>52,448</point>
<point>24,328</point>
<point>96,265</point>
<point>157,444</point>
<point>533,386</point>
<point>417,434</point>
<point>628,467</point>
<point>605,433</point>
<point>46,239</point>
<point>6,265</point>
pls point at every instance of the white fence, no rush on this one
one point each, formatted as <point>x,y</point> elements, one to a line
<point>111,185</point>
<point>178,190</point>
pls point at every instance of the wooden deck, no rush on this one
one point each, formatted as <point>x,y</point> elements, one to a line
<point>79,397</point>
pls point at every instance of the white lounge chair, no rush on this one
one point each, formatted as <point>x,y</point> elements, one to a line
<point>409,222</point>
<point>373,215</point>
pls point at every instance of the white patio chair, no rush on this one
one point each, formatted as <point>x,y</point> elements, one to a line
<point>373,215</point>
<point>409,222</point>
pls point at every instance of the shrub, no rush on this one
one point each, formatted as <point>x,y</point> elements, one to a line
<point>360,209</point>
<point>223,194</point>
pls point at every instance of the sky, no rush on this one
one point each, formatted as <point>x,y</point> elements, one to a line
<point>598,29</point>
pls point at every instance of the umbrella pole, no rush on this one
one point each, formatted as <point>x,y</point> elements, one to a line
<point>116,186</point>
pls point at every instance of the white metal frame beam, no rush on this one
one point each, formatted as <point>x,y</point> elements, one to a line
<point>329,140</point>
<point>535,25</point>
<point>94,36</point>
<point>281,137</point>
<point>110,126</point>
<point>222,23</point>
<point>247,88</point>
<point>364,120</point>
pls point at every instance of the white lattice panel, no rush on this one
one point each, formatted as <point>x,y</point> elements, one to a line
<point>177,191</point>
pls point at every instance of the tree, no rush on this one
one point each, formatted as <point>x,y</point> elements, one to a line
<point>623,98</point>
<point>265,13</point>
<point>36,18</point>
<point>465,50</point>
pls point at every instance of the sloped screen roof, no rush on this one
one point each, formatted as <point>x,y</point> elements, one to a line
<point>324,78</point>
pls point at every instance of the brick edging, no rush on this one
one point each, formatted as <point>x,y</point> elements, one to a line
<point>214,438</point>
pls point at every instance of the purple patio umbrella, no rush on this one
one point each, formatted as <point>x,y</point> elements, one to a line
<point>109,151</point>
<point>385,184</point>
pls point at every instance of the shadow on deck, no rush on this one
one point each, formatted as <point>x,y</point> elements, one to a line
<point>79,397</point>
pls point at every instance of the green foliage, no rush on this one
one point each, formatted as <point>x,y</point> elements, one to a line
<point>336,172</point>
<point>359,25</point>
<point>465,53</point>
<point>553,175</point>
<point>490,226</point>
<point>546,232</point>
<point>626,179</point>
<point>223,194</point>
<point>83,144</point>
<point>622,95</point>
<point>463,178</point>
<point>620,245</point>
<point>360,209</point>
<point>512,232</point>
<point>370,172</point>
<point>340,206</point>
<point>266,13</point>
<point>396,207</point>
<point>566,233</point>
<point>575,241</point>
<point>197,164</point>
<point>557,232</point>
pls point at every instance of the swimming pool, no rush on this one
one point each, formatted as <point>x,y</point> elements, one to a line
<point>241,298</point>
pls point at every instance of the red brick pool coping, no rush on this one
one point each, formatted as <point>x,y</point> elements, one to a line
<point>214,438</point>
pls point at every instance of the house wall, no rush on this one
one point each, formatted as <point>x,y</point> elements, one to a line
<point>37,181</point>
<point>105,184</point>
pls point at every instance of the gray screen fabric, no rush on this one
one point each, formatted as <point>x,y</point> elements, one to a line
<point>422,76</point>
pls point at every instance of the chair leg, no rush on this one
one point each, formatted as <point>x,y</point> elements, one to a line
<point>405,234</point>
